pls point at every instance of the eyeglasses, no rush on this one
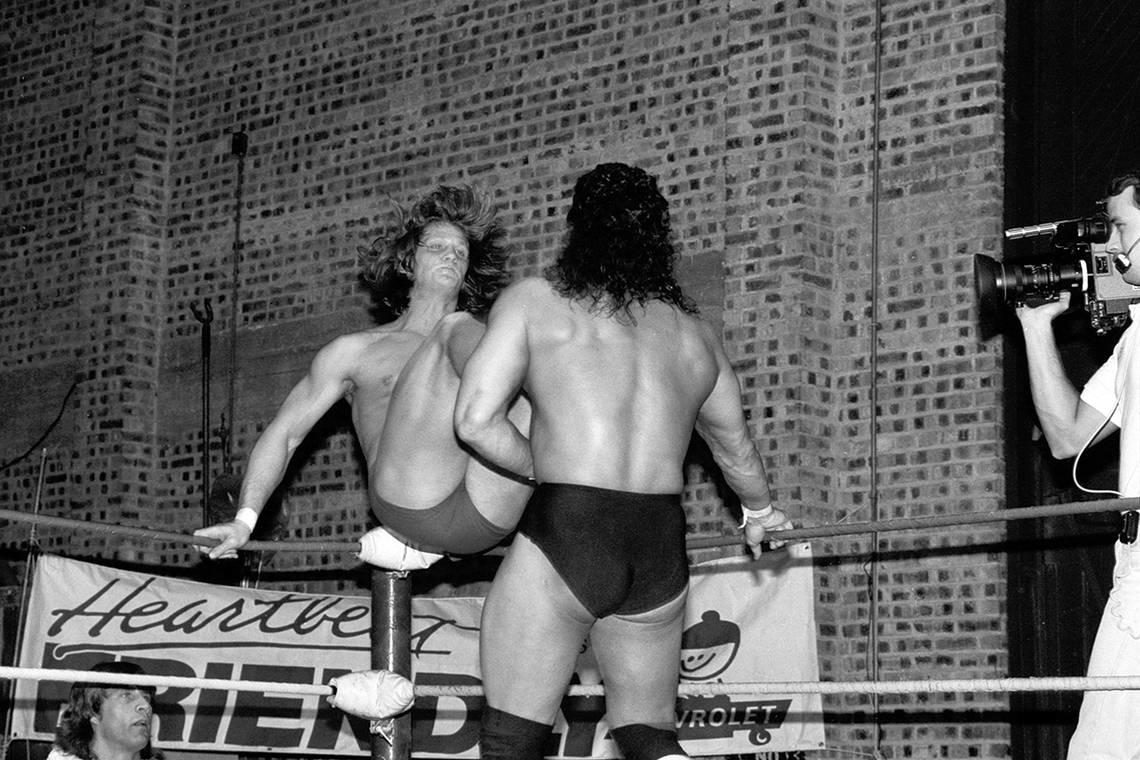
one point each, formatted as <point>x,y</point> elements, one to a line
<point>442,246</point>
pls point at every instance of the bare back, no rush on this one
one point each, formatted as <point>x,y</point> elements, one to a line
<point>615,400</point>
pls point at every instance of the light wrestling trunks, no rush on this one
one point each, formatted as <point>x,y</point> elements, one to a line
<point>454,526</point>
<point>618,552</point>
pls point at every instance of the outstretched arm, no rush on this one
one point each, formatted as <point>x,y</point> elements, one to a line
<point>324,384</point>
<point>1066,420</point>
<point>722,424</point>
<point>491,381</point>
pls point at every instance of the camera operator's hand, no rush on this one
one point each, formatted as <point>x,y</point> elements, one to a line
<point>1043,315</point>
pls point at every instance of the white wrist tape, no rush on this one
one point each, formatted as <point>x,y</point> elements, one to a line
<point>755,514</point>
<point>247,517</point>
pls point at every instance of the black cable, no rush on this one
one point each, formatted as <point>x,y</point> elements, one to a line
<point>46,433</point>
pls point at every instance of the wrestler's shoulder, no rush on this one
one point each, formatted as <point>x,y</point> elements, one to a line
<point>694,338</point>
<point>528,286</point>
<point>382,339</point>
<point>693,324</point>
<point>703,327</point>
<point>524,293</point>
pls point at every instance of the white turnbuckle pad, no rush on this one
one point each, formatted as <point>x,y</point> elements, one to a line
<point>378,695</point>
<point>379,547</point>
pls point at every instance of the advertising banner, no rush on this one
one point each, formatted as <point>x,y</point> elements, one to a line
<point>749,621</point>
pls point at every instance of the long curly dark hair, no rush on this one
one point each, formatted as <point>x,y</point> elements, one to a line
<point>619,249</point>
<point>75,733</point>
<point>388,262</point>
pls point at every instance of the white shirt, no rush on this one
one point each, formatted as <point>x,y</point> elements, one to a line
<point>1114,391</point>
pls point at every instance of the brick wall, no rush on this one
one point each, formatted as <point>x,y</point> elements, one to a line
<point>869,389</point>
<point>932,391</point>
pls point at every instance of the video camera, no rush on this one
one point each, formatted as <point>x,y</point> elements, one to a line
<point>1085,268</point>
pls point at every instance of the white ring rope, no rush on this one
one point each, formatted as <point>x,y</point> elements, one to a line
<point>921,686</point>
<point>129,679</point>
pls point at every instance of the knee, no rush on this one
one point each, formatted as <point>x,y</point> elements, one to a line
<point>638,741</point>
<point>503,736</point>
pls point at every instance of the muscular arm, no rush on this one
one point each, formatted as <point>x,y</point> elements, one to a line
<point>721,423</point>
<point>491,381</point>
<point>1066,420</point>
<point>325,383</point>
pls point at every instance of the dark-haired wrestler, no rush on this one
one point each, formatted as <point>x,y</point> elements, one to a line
<point>436,275</point>
<point>619,370</point>
<point>104,721</point>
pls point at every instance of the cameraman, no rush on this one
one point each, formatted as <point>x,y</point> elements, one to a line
<point>1072,420</point>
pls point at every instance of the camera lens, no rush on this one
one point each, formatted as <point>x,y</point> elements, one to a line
<point>999,284</point>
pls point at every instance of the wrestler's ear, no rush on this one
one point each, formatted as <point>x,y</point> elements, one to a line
<point>405,265</point>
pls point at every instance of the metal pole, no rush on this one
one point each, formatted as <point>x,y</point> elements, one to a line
<point>205,317</point>
<point>25,595</point>
<point>239,144</point>
<point>392,650</point>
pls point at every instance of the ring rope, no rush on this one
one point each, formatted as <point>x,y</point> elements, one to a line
<point>162,535</point>
<point>791,534</point>
<point>130,679</point>
<point>919,686</point>
<point>934,521</point>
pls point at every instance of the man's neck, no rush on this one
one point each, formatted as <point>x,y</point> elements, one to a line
<point>105,751</point>
<point>425,310</point>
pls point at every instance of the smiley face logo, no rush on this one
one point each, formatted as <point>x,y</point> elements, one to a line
<point>708,647</point>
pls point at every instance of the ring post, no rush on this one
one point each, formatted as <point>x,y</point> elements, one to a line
<point>392,650</point>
